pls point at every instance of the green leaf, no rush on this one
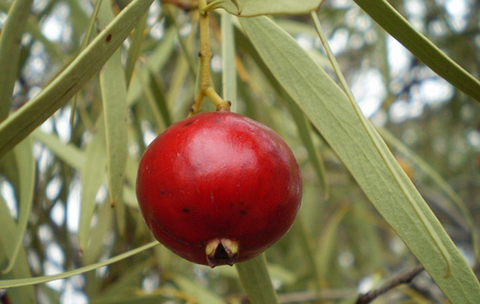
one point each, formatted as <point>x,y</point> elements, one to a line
<point>10,45</point>
<point>69,153</point>
<point>152,106</point>
<point>127,283</point>
<point>155,298</point>
<point>328,244</point>
<point>20,268</point>
<point>86,40</point>
<point>396,25</point>
<point>22,122</point>
<point>75,158</point>
<point>184,45</point>
<point>156,61</point>
<point>67,274</point>
<point>249,8</point>
<point>114,97</point>
<point>366,243</point>
<point>93,174</point>
<point>256,281</point>
<point>366,156</point>
<point>304,128</point>
<point>305,132</point>
<point>158,91</point>
<point>306,244</point>
<point>26,170</point>
<point>229,72</point>
<point>437,179</point>
<point>96,245</point>
<point>135,48</point>
<point>200,294</point>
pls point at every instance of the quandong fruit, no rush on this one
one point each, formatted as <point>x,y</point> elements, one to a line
<point>218,188</point>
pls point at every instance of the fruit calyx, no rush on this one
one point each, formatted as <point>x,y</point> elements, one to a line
<point>221,251</point>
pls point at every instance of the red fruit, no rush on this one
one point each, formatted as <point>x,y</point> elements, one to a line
<point>218,188</point>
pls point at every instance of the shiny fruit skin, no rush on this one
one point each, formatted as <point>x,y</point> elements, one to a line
<point>218,176</point>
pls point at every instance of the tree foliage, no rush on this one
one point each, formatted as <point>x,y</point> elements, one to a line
<point>387,137</point>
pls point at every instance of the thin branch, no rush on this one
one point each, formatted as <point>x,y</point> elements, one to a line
<point>403,278</point>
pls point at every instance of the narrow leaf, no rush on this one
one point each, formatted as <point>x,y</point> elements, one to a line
<point>86,40</point>
<point>156,61</point>
<point>114,97</point>
<point>127,283</point>
<point>22,122</point>
<point>304,128</point>
<point>366,156</point>
<point>256,281</point>
<point>96,245</point>
<point>435,176</point>
<point>69,153</point>
<point>20,268</point>
<point>384,153</point>
<point>93,174</point>
<point>396,25</point>
<point>200,294</point>
<point>67,274</point>
<point>328,244</point>
<point>135,48</point>
<point>158,92</point>
<point>10,45</point>
<point>26,170</point>
<point>305,132</point>
<point>229,73</point>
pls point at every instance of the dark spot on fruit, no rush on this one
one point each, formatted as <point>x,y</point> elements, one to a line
<point>243,212</point>
<point>109,37</point>
<point>229,102</point>
<point>188,123</point>
<point>162,192</point>
<point>199,54</point>
<point>186,210</point>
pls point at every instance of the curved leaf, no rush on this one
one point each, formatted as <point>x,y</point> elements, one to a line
<point>20,268</point>
<point>26,169</point>
<point>10,45</point>
<point>397,26</point>
<point>366,156</point>
<point>93,174</point>
<point>201,294</point>
<point>67,274</point>
<point>69,153</point>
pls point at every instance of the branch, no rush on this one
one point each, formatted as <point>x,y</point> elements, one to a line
<point>403,278</point>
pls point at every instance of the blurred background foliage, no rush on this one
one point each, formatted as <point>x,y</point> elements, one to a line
<point>339,245</point>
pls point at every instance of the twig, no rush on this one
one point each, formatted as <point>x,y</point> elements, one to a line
<point>309,296</point>
<point>403,278</point>
<point>304,296</point>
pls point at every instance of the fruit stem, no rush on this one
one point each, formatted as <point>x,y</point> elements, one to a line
<point>221,104</point>
<point>205,54</point>
<point>256,281</point>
